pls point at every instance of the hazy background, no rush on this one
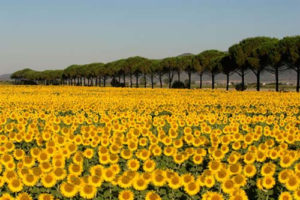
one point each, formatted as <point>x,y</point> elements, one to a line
<point>57,33</point>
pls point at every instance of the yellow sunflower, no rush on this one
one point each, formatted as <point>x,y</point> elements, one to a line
<point>68,190</point>
<point>126,195</point>
<point>88,191</point>
<point>151,195</point>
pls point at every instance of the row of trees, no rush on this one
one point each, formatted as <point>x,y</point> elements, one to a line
<point>254,55</point>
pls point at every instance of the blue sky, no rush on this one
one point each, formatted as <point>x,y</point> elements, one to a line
<point>52,34</point>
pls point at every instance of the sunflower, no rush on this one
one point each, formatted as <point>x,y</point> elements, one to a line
<point>209,181</point>
<point>169,151</point>
<point>104,159</point>
<point>78,158</point>
<point>58,163</point>
<point>30,180</point>
<point>15,185</point>
<point>149,165</point>
<point>285,196</point>
<point>43,156</point>
<point>124,181</point>
<point>116,168</point>
<point>249,170</point>
<point>238,194</point>
<point>133,164</point>
<point>235,168</point>
<point>179,158</point>
<point>296,194</point>
<point>6,196</point>
<point>108,175</point>
<point>292,183</point>
<point>19,154</point>
<point>68,190</point>
<point>214,165</point>
<point>144,154</point>
<point>36,171</point>
<point>126,195</point>
<point>126,154</point>
<point>186,178</point>
<point>197,159</point>
<point>222,174</point>
<point>48,180</point>
<point>139,183</point>
<point>286,161</point>
<point>218,154</point>
<point>260,156</point>
<point>75,169</point>
<point>192,188</point>
<point>88,153</point>
<point>95,180</point>
<point>59,173</point>
<point>284,175</point>
<point>268,169</point>
<point>158,178</point>
<point>24,196</point>
<point>88,191</point>
<point>9,175</point>
<point>151,195</point>
<point>113,158</point>
<point>96,170</point>
<point>213,196</point>
<point>239,180</point>
<point>45,197</point>
<point>268,182</point>
<point>249,158</point>
<point>228,186</point>
<point>175,182</point>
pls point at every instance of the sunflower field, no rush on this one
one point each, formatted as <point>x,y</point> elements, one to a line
<point>125,144</point>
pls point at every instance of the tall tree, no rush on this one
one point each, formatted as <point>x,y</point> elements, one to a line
<point>290,51</point>
<point>227,67</point>
<point>255,64</point>
<point>209,60</point>
<point>189,63</point>
<point>242,51</point>
<point>169,66</point>
<point>270,56</point>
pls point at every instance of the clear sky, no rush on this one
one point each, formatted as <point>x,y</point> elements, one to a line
<point>52,34</point>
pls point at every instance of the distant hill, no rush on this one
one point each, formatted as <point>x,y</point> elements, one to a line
<point>185,54</point>
<point>5,77</point>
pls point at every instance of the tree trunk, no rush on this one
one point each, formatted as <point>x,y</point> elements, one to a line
<point>170,81</point>
<point>137,81</point>
<point>124,77</point>
<point>152,84</point>
<point>200,75</point>
<point>96,81</point>
<point>119,78</point>
<point>227,81</point>
<point>130,77</point>
<point>243,78</point>
<point>258,80</point>
<point>212,81</point>
<point>277,78</point>
<point>178,75</point>
<point>160,80</point>
<point>298,78</point>
<point>190,79</point>
<point>104,81</point>
<point>145,77</point>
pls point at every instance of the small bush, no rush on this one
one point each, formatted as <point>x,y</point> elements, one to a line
<point>239,87</point>
<point>178,84</point>
<point>115,83</point>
